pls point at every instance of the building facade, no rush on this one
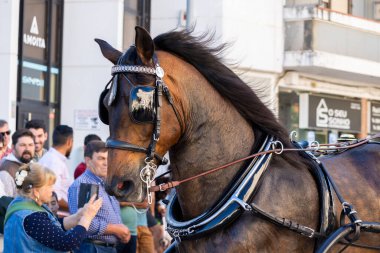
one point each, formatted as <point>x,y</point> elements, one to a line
<point>315,63</point>
<point>331,82</point>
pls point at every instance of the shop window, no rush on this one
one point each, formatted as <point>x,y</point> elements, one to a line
<point>345,110</point>
<point>40,55</point>
<point>340,6</point>
<point>376,10</point>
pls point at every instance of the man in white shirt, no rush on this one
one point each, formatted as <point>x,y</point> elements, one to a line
<point>56,160</point>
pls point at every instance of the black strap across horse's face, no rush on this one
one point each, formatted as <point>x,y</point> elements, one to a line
<point>144,105</point>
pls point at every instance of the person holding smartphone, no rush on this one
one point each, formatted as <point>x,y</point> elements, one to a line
<point>107,229</point>
<point>30,226</point>
<point>6,134</point>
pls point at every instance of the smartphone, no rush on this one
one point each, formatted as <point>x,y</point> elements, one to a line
<point>85,193</point>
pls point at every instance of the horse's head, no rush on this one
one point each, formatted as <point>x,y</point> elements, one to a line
<point>142,122</point>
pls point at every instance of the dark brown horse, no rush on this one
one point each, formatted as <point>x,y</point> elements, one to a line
<point>215,118</point>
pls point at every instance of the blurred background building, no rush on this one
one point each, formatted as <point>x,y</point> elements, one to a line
<point>316,63</point>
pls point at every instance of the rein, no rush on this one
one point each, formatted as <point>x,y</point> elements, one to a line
<point>326,147</point>
<point>222,214</point>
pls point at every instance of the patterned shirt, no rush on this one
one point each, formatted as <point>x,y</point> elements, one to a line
<point>109,213</point>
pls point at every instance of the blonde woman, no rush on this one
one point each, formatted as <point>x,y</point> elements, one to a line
<point>30,226</point>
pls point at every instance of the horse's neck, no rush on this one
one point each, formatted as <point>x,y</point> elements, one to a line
<point>216,134</point>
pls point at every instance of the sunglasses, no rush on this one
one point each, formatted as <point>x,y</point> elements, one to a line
<point>6,132</point>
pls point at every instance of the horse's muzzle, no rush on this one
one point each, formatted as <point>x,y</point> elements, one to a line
<point>120,188</point>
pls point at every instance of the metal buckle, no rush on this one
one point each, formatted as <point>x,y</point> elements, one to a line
<point>147,175</point>
<point>316,144</point>
<point>274,144</point>
<point>243,204</point>
<point>311,233</point>
<point>160,187</point>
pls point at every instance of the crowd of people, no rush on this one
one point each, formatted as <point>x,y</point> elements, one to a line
<point>40,201</point>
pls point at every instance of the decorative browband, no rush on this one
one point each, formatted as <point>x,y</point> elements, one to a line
<point>133,69</point>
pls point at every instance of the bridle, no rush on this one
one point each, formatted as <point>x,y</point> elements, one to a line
<point>148,171</point>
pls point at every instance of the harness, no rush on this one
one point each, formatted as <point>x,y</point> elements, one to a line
<point>238,197</point>
<point>226,213</point>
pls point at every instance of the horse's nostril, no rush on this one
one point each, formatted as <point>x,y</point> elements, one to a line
<point>125,187</point>
<point>120,189</point>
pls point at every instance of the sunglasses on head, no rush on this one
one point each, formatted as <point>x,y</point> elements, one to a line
<point>6,132</point>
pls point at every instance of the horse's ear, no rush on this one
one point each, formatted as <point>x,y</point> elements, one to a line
<point>108,51</point>
<point>144,45</point>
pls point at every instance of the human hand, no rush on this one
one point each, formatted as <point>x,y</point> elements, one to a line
<point>90,209</point>
<point>164,243</point>
<point>161,209</point>
<point>123,233</point>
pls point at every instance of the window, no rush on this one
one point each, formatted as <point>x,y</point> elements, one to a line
<point>376,10</point>
<point>40,56</point>
<point>136,12</point>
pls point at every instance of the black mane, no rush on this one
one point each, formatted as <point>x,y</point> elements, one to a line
<point>207,61</point>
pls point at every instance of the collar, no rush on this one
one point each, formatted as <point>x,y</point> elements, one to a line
<point>11,157</point>
<point>44,150</point>
<point>36,157</point>
<point>94,177</point>
<point>228,208</point>
<point>57,153</point>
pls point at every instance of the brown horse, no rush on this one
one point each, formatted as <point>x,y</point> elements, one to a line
<point>211,118</point>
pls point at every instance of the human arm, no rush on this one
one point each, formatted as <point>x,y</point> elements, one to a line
<point>38,226</point>
<point>139,205</point>
<point>71,221</point>
<point>120,231</point>
<point>89,211</point>
<point>99,224</point>
<point>84,215</point>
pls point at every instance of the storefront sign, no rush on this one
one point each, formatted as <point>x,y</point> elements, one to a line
<point>34,36</point>
<point>329,113</point>
<point>374,117</point>
<point>33,39</point>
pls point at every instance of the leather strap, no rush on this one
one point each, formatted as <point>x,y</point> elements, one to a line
<point>116,144</point>
<point>335,146</point>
